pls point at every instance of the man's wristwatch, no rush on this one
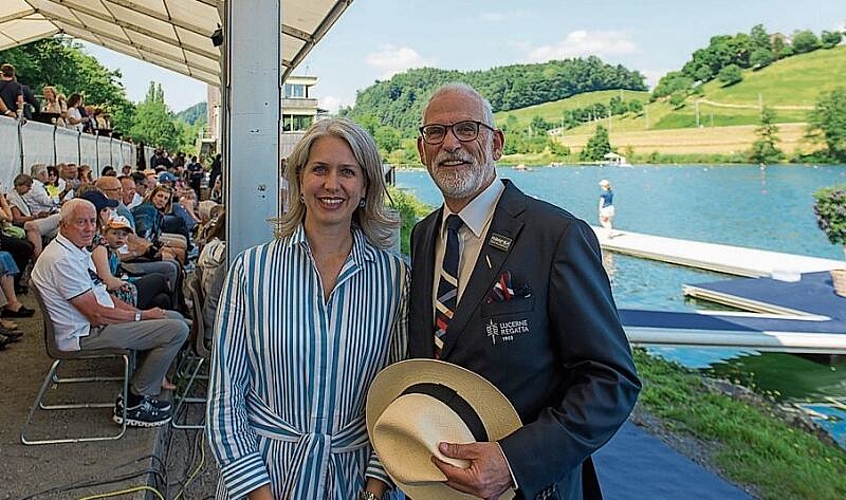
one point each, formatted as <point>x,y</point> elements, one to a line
<point>137,315</point>
<point>366,495</point>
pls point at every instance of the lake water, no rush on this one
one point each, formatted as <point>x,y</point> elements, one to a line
<point>768,208</point>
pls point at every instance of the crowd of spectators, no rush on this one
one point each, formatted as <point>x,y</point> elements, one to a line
<point>18,101</point>
<point>147,234</point>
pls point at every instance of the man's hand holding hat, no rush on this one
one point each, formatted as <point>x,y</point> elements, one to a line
<point>488,475</point>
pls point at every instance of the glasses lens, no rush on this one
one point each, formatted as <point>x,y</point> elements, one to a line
<point>434,134</point>
<point>466,131</point>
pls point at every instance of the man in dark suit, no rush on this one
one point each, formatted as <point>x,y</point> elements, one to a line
<point>531,311</point>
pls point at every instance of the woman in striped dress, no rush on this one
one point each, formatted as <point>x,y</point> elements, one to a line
<point>305,323</point>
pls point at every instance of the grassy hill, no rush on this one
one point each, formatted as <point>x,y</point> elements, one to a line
<point>727,116</point>
<point>552,111</point>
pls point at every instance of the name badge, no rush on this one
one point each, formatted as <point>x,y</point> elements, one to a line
<point>500,242</point>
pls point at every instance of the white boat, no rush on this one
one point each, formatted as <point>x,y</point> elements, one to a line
<point>520,167</point>
<point>614,160</point>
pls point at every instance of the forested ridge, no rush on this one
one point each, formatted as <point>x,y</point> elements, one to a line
<point>398,102</point>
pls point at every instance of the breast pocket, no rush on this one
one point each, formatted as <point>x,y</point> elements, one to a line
<point>508,307</point>
<point>508,323</point>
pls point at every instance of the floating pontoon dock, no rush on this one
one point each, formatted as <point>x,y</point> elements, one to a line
<point>803,315</point>
<point>728,259</point>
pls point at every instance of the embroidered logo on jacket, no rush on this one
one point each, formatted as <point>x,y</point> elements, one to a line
<point>506,331</point>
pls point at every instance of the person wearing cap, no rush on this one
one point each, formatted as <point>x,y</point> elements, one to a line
<point>513,289</point>
<point>606,207</point>
<point>85,316</point>
<point>305,323</point>
<point>144,292</point>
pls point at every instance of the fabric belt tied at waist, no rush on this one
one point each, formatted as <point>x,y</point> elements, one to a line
<point>300,483</point>
<point>266,423</point>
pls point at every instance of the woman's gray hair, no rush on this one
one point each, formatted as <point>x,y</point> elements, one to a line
<point>372,219</point>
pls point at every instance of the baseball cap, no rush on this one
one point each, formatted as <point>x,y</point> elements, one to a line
<point>166,177</point>
<point>119,222</point>
<point>99,200</point>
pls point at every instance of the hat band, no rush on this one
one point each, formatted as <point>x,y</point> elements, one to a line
<point>456,403</point>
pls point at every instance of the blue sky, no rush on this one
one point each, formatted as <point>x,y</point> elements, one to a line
<point>377,38</point>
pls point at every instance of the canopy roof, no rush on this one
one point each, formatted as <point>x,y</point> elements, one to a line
<point>173,34</point>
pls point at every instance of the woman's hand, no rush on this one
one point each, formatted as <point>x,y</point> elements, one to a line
<point>262,493</point>
<point>376,487</point>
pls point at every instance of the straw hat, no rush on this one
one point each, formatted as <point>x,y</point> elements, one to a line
<point>414,405</point>
<point>604,183</point>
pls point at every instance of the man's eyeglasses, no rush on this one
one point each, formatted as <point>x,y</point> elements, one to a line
<point>465,131</point>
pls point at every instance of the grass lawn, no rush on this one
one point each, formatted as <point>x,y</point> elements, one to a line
<point>795,81</point>
<point>756,447</point>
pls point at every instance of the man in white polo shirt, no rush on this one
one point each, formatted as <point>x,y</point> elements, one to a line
<point>85,316</point>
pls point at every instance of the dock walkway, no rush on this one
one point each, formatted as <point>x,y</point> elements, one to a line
<point>728,259</point>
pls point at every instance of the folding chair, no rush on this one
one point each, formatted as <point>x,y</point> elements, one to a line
<point>193,361</point>
<point>59,357</point>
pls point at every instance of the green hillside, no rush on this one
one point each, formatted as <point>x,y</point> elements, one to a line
<point>552,111</point>
<point>791,86</point>
<point>795,81</point>
<point>194,114</point>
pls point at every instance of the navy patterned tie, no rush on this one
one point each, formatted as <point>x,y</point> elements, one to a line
<point>447,284</point>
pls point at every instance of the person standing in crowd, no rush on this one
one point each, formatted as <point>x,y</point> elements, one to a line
<point>195,176</point>
<point>216,171</point>
<point>75,119</point>
<point>11,91</point>
<point>52,104</point>
<point>513,288</point>
<point>606,207</point>
<point>304,325</point>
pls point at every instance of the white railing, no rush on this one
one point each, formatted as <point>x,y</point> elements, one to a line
<point>25,144</point>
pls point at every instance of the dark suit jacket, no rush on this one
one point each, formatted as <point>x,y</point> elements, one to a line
<point>560,355</point>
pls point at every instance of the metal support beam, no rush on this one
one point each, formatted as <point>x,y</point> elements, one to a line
<point>251,99</point>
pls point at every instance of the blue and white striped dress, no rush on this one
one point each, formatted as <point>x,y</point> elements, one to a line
<point>290,371</point>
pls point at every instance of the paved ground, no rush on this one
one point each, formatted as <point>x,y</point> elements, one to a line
<point>634,465</point>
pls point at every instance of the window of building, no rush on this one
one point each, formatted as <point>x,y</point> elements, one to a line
<point>295,91</point>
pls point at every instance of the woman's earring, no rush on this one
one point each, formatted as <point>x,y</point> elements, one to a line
<point>302,198</point>
<point>362,203</point>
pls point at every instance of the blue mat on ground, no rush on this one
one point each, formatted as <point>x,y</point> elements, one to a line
<point>813,293</point>
<point>635,465</point>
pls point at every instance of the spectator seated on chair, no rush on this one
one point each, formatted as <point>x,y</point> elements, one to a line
<point>149,223</point>
<point>146,291</point>
<point>37,225</point>
<point>85,316</point>
<point>211,266</point>
<point>11,307</point>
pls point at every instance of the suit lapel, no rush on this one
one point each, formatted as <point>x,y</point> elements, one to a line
<point>423,273</point>
<point>504,226</point>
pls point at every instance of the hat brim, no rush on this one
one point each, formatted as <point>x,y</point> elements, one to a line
<point>494,409</point>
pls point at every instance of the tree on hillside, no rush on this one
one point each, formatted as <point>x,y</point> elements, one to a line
<point>828,123</point>
<point>730,75</point>
<point>764,149</point>
<point>636,107</point>
<point>674,81</point>
<point>831,39</point>
<point>760,39</point>
<point>154,122</point>
<point>761,58</point>
<point>62,64</point>
<point>597,146</point>
<point>805,41</point>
